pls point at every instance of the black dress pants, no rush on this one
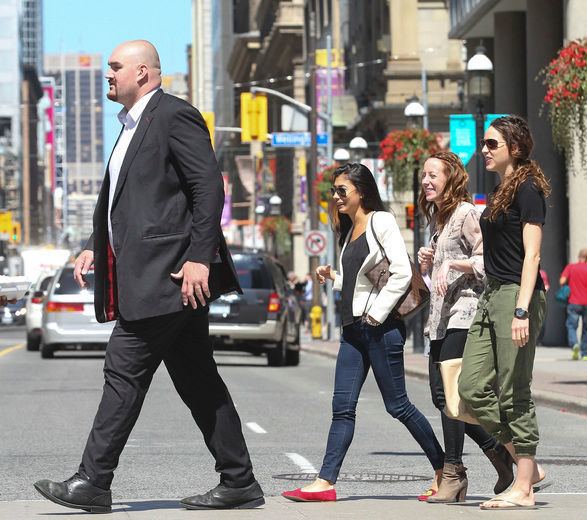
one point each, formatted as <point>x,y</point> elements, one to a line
<point>452,346</point>
<point>133,354</point>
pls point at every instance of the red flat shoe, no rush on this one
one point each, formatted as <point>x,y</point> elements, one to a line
<point>426,495</point>
<point>297,495</point>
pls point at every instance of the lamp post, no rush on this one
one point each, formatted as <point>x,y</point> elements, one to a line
<point>275,205</point>
<point>414,113</point>
<point>479,73</point>
<point>341,156</point>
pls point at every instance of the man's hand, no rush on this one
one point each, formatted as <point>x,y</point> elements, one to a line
<point>323,273</point>
<point>83,263</point>
<point>195,283</point>
<point>520,332</point>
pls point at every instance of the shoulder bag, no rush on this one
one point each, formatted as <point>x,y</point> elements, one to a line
<point>414,299</point>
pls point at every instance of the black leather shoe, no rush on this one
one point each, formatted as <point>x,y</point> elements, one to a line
<point>77,493</point>
<point>224,497</point>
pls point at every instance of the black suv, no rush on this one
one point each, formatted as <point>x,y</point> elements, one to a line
<point>266,318</point>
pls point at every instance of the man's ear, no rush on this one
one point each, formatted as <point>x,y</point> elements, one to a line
<point>142,72</point>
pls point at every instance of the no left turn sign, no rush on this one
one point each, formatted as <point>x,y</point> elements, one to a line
<point>314,243</point>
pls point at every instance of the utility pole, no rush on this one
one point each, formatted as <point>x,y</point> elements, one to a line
<point>311,172</point>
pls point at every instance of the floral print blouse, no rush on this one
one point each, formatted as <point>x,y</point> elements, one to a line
<point>459,239</point>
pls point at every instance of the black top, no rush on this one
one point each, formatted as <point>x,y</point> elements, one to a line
<point>352,260</point>
<point>503,246</point>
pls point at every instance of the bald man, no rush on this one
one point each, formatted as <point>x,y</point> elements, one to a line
<point>159,257</point>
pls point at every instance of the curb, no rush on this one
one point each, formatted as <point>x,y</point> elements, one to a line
<point>562,402</point>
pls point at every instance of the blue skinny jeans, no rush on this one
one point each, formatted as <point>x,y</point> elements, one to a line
<point>362,347</point>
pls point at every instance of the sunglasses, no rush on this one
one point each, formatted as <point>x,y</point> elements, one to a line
<point>492,144</point>
<point>341,191</point>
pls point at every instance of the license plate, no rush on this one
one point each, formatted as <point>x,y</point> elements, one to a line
<point>218,309</point>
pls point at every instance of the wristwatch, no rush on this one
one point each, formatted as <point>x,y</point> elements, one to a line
<point>521,314</point>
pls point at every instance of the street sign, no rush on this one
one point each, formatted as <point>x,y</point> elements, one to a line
<point>297,139</point>
<point>463,140</point>
<point>462,136</point>
<point>314,242</point>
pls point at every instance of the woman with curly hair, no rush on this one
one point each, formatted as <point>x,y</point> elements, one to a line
<point>499,353</point>
<point>455,262</point>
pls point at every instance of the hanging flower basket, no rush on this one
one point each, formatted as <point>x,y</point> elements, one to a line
<point>404,150</point>
<point>277,229</point>
<point>566,97</point>
<point>323,183</point>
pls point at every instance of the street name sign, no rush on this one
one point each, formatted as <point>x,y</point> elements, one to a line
<point>297,139</point>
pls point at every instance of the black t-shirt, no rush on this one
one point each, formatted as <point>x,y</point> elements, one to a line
<point>503,246</point>
<point>352,260</point>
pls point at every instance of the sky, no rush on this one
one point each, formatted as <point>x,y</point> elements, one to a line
<point>97,26</point>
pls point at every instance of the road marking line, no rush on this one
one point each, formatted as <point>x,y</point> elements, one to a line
<point>255,427</point>
<point>304,464</point>
<point>11,349</point>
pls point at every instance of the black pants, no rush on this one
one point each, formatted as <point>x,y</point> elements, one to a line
<point>452,347</point>
<point>133,354</point>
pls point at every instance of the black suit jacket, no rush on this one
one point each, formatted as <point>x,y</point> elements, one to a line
<point>166,210</point>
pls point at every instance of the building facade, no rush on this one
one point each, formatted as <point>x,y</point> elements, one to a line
<point>79,134</point>
<point>522,37</point>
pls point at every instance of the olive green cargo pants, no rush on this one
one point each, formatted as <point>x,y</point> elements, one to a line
<point>496,375</point>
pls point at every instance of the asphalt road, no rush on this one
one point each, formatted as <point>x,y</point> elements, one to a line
<point>47,407</point>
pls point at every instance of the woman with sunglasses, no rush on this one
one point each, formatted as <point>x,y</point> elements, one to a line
<point>455,262</point>
<point>372,337</point>
<point>499,353</point>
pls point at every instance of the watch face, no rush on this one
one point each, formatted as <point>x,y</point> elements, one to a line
<point>521,314</point>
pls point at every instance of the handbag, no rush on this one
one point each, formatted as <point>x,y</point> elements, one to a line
<point>455,407</point>
<point>416,296</point>
<point>563,294</point>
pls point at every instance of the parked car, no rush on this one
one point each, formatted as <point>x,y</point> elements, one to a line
<point>69,321</point>
<point>265,319</point>
<point>13,313</point>
<point>34,310</point>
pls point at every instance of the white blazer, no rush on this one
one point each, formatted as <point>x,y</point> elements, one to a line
<point>381,303</point>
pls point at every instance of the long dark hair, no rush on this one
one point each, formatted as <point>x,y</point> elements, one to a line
<point>516,134</point>
<point>364,182</point>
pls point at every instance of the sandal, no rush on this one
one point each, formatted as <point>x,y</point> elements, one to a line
<point>509,504</point>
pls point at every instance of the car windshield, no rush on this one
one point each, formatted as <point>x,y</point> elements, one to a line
<point>67,285</point>
<point>252,272</point>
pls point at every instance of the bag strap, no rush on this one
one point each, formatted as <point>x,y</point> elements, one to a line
<point>375,235</point>
<point>382,251</point>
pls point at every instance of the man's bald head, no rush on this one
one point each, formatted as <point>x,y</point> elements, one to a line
<point>583,255</point>
<point>142,51</point>
<point>134,70</point>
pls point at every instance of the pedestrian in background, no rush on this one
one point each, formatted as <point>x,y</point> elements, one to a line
<point>575,275</point>
<point>372,336</point>
<point>501,343</point>
<point>159,257</point>
<point>455,263</point>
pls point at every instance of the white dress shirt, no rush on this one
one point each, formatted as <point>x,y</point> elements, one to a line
<point>130,120</point>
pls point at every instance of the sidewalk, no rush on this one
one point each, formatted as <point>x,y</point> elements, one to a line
<point>558,381</point>
<point>552,507</point>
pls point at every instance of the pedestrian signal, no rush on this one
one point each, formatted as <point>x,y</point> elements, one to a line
<point>253,117</point>
<point>410,216</point>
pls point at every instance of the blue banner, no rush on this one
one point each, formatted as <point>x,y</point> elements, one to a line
<point>462,136</point>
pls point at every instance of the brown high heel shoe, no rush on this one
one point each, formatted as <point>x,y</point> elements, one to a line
<point>453,487</point>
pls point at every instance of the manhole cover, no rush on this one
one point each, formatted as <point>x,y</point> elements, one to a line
<point>356,477</point>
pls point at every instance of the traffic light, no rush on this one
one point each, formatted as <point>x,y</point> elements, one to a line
<point>253,117</point>
<point>209,119</point>
<point>15,233</point>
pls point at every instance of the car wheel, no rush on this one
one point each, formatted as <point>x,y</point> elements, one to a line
<point>292,358</point>
<point>33,341</point>
<point>276,356</point>
<point>47,350</point>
